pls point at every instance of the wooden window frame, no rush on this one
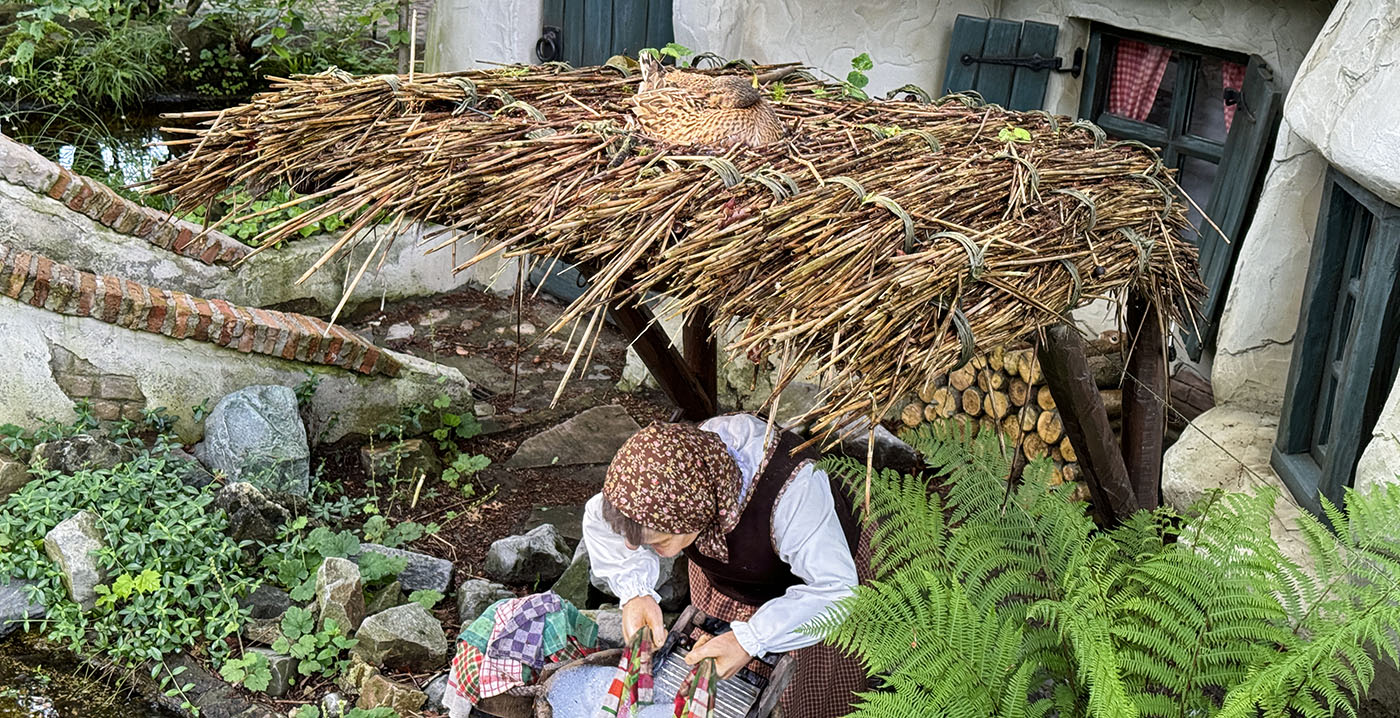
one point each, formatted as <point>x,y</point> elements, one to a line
<point>1367,367</point>
<point>1173,141</point>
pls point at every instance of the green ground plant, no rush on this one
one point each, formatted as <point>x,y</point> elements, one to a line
<point>1009,601</point>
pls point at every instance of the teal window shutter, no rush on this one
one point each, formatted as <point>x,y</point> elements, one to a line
<point>1243,163</point>
<point>1015,88</point>
<point>591,31</point>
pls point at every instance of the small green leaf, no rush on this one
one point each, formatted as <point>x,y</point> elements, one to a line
<point>862,62</point>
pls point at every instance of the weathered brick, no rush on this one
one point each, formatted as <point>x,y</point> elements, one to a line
<point>111,299</point>
<point>129,220</point>
<point>134,306</point>
<point>249,336</point>
<point>79,199</point>
<point>106,410</point>
<point>20,272</point>
<point>164,234</point>
<point>227,323</point>
<point>204,317</point>
<point>264,331</point>
<point>87,294</point>
<point>147,223</point>
<point>75,385</point>
<point>101,200</point>
<point>118,388</point>
<point>63,289</point>
<point>42,278</point>
<point>366,365</point>
<point>183,237</point>
<point>387,365</point>
<point>211,250</point>
<point>113,213</point>
<point>60,185</point>
<point>308,339</point>
<point>180,327</point>
<point>286,346</point>
<point>155,319</point>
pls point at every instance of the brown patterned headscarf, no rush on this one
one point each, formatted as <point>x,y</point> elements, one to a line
<point>677,479</point>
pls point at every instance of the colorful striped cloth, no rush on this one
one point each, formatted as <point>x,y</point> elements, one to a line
<point>510,642</point>
<point>633,684</point>
<point>696,697</point>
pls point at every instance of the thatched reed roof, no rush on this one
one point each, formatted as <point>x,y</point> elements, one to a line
<point>881,243</point>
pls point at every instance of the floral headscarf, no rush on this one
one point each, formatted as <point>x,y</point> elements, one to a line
<point>677,478</point>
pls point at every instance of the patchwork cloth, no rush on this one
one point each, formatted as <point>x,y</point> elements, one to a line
<point>634,683</point>
<point>510,642</point>
<point>696,697</point>
<point>521,636</point>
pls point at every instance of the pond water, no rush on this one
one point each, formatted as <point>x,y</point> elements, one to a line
<point>41,682</point>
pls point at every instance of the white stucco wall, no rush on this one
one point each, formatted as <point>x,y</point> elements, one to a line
<point>1337,113</point>
<point>465,34</point>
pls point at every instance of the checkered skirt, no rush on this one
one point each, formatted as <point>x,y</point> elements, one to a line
<point>827,680</point>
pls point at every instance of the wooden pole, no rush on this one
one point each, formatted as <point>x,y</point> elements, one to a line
<point>1144,394</point>
<point>698,342</point>
<point>672,372</point>
<point>1071,383</point>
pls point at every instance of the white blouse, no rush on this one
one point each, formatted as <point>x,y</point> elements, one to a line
<point>807,536</point>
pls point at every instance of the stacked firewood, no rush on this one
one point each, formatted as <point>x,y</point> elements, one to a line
<point>1004,389</point>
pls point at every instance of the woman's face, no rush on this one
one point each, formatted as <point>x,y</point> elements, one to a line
<point>666,545</point>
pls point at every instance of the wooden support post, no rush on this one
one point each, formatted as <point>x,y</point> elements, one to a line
<point>1144,397</point>
<point>672,372</point>
<point>1076,395</point>
<point>698,342</point>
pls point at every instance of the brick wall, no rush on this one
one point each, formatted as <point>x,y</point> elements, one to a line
<point>113,396</point>
<point>41,282</point>
<point>21,165</point>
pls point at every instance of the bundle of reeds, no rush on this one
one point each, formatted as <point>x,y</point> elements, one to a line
<point>877,246</point>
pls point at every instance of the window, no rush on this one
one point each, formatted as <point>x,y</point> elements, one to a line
<point>1344,352</point>
<point>1213,116</point>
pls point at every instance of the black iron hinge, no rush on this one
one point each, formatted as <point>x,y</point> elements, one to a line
<point>1035,62</point>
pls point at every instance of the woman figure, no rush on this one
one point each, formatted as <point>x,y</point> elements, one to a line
<point>768,534</point>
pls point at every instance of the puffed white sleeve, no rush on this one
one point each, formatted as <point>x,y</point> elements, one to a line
<point>628,572</point>
<point>809,538</point>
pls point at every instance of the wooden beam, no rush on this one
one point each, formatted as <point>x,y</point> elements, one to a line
<point>672,372</point>
<point>698,343</point>
<point>1072,385</point>
<point>1144,397</point>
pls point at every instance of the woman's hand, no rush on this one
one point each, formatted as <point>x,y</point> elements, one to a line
<point>725,649</point>
<point>643,612</point>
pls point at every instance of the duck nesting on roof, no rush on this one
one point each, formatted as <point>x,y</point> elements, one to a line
<point>690,108</point>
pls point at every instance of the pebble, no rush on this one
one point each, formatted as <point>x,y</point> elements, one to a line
<point>434,316</point>
<point>397,332</point>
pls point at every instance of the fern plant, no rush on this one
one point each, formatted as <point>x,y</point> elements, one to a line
<point>1008,600</point>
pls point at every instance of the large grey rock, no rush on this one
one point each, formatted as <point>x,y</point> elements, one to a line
<point>477,595</point>
<point>592,437</point>
<point>188,468</point>
<point>255,434</point>
<point>573,585</point>
<point>380,692</point>
<point>266,602</point>
<point>75,453</point>
<point>567,520</point>
<point>14,474</point>
<point>73,545</point>
<point>406,460</point>
<point>673,583</point>
<point>340,594</point>
<point>422,572</point>
<point>537,558</point>
<point>609,622</point>
<point>890,451</point>
<point>404,638</point>
<point>251,515</point>
<point>15,607</point>
<point>385,599</point>
<point>435,690</point>
<point>283,669</point>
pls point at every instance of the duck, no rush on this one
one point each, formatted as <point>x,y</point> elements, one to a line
<point>692,108</point>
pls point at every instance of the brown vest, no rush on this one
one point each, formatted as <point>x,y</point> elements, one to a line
<point>754,573</point>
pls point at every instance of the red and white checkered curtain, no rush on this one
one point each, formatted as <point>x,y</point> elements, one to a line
<point>1138,69</point>
<point>1231,77</point>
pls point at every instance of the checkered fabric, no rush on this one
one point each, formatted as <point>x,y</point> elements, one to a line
<point>633,683</point>
<point>521,636</point>
<point>827,680</point>
<point>480,671</point>
<point>696,697</point>
<point>1138,68</point>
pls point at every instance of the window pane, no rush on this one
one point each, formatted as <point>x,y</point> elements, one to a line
<point>1208,113</point>
<point>1143,82</point>
<point>1197,176</point>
